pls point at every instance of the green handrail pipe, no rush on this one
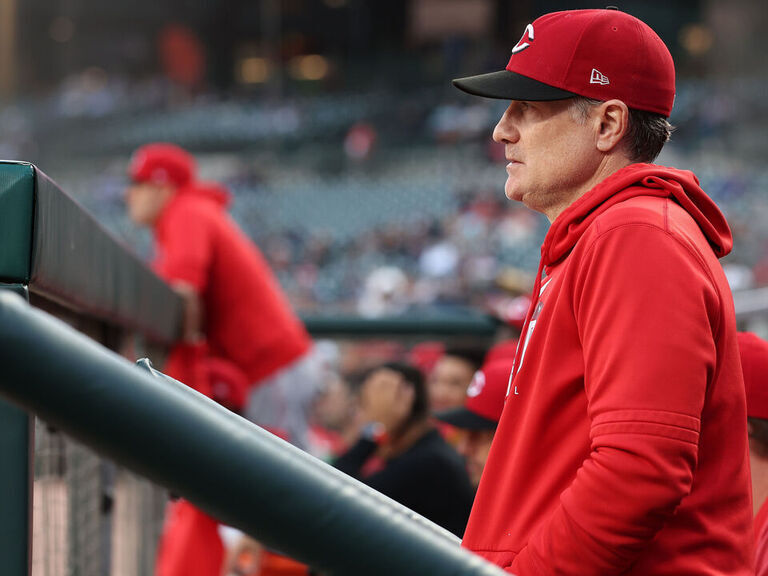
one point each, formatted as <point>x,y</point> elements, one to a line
<point>229,467</point>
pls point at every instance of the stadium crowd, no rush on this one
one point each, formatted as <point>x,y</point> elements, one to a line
<point>428,207</point>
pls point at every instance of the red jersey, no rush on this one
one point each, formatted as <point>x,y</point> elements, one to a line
<point>622,448</point>
<point>247,318</point>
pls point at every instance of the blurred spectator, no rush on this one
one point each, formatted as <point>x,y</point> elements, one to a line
<point>451,376</point>
<point>478,418</point>
<point>401,455</point>
<point>334,425</point>
<point>385,292</point>
<point>754,361</point>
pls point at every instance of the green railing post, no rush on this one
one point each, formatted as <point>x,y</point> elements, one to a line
<point>16,477</point>
<point>229,467</point>
<point>16,425</point>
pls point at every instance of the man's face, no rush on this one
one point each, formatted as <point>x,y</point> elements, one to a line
<point>551,153</point>
<point>475,446</point>
<point>448,383</point>
<point>145,202</point>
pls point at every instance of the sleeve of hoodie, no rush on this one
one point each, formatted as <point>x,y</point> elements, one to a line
<point>185,250</point>
<point>647,312</point>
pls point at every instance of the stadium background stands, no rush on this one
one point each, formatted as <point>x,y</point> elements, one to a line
<point>423,194</point>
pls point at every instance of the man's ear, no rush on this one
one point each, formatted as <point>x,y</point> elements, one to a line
<point>613,118</point>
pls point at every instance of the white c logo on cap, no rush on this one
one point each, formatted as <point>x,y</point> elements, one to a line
<point>477,385</point>
<point>522,44</point>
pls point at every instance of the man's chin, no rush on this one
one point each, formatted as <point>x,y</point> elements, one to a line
<point>513,193</point>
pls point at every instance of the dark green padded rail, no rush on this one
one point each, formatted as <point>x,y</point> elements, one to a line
<point>231,468</point>
<point>17,184</point>
<point>48,241</point>
<point>433,324</point>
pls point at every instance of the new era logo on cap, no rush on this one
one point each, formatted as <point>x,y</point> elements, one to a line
<point>598,78</point>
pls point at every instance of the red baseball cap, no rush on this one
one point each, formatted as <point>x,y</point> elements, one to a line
<point>162,164</point>
<point>503,350</point>
<point>485,398</point>
<point>754,362</point>
<point>599,54</point>
<point>229,384</point>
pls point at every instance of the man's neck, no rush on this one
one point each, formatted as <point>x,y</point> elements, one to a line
<point>609,165</point>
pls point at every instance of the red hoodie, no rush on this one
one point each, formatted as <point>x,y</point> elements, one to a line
<point>622,448</point>
<point>248,320</point>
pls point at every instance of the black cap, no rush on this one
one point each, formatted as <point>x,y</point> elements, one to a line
<point>463,418</point>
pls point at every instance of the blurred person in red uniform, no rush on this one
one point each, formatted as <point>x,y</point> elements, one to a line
<point>479,416</point>
<point>622,446</point>
<point>234,311</point>
<point>754,362</point>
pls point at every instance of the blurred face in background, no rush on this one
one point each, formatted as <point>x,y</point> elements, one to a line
<point>145,201</point>
<point>448,382</point>
<point>475,445</point>
<point>334,408</point>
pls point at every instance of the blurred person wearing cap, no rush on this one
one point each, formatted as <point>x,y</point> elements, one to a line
<point>622,447</point>
<point>451,375</point>
<point>480,414</point>
<point>233,300</point>
<point>241,343</point>
<point>754,362</point>
<point>401,454</point>
<point>448,381</point>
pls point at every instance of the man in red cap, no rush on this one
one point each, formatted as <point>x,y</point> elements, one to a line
<point>233,300</point>
<point>754,362</point>
<point>478,417</point>
<point>239,329</point>
<point>622,447</point>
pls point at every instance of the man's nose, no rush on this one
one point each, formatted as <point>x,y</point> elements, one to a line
<point>505,130</point>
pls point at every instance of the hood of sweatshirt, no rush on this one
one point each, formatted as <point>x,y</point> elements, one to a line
<point>212,191</point>
<point>629,182</point>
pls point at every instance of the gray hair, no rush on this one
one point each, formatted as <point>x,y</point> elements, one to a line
<point>647,134</point>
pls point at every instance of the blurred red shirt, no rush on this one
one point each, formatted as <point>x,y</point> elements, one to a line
<point>248,320</point>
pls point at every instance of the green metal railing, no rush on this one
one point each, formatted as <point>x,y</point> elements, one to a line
<point>229,467</point>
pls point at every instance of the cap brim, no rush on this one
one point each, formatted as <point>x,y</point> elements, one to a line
<point>463,418</point>
<point>506,85</point>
